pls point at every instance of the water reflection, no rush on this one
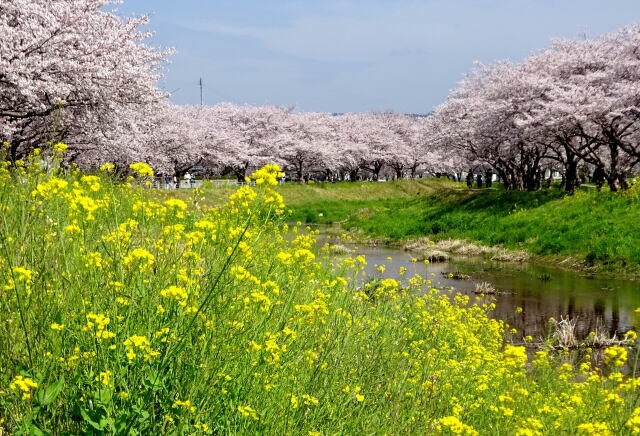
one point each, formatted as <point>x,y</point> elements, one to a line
<point>542,292</point>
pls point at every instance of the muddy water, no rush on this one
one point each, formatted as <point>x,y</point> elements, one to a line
<point>541,292</point>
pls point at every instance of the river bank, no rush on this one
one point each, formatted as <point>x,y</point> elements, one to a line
<point>593,232</point>
<point>526,295</point>
<point>445,250</point>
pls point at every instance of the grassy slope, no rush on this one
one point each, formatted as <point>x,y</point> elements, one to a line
<point>599,228</point>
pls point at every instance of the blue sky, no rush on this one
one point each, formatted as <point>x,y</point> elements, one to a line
<point>355,55</point>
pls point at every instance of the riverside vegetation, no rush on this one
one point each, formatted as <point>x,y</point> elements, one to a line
<point>594,230</point>
<point>122,314</point>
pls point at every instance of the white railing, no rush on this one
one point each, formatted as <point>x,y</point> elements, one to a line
<point>160,183</point>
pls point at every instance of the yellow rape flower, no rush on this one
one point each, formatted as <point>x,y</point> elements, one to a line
<point>135,344</point>
<point>304,254</point>
<point>248,411</point>
<point>142,169</point>
<point>140,256</point>
<point>24,385</point>
<point>268,175</point>
<point>201,426</point>
<point>309,400</point>
<point>185,405</point>
<point>73,228</point>
<point>176,203</point>
<point>60,147</point>
<point>615,356</point>
<point>92,182</point>
<point>515,356</point>
<point>176,293</point>
<point>107,167</point>
<point>20,275</point>
<point>98,323</point>
<point>50,188</point>
<point>595,429</point>
<point>456,426</point>
<point>633,423</point>
<point>104,377</point>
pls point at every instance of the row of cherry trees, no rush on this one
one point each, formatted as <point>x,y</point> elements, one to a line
<point>576,103</point>
<point>74,71</point>
<point>235,139</point>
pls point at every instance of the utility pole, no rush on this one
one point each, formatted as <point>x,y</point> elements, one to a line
<point>200,91</point>
<point>583,33</point>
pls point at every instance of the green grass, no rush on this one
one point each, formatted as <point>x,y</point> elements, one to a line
<point>597,228</point>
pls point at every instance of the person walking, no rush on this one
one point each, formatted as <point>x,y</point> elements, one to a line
<point>469,180</point>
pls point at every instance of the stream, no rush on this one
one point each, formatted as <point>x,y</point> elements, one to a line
<point>542,292</point>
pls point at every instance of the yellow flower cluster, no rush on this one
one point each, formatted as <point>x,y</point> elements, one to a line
<point>248,411</point>
<point>633,423</point>
<point>107,167</point>
<point>60,147</point>
<point>142,169</point>
<point>50,188</point>
<point>104,377</point>
<point>98,323</point>
<point>93,182</point>
<point>515,356</point>
<point>140,257</point>
<point>177,293</point>
<point>615,356</point>
<point>184,405</point>
<point>136,344</point>
<point>268,175</point>
<point>24,385</point>
<point>456,426</point>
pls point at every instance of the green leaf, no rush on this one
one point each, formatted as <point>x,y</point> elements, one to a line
<point>48,396</point>
<point>35,431</point>
<point>104,396</point>
<point>143,416</point>
<point>97,421</point>
<point>27,427</point>
<point>153,382</point>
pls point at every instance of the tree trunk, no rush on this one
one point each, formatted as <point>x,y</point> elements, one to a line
<point>571,175</point>
<point>353,174</point>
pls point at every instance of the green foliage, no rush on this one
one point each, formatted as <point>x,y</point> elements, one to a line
<point>598,228</point>
<point>125,315</point>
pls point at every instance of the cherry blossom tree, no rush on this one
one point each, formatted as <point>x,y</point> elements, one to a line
<point>305,143</point>
<point>69,68</point>
<point>250,137</point>
<point>574,102</point>
<point>592,103</point>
